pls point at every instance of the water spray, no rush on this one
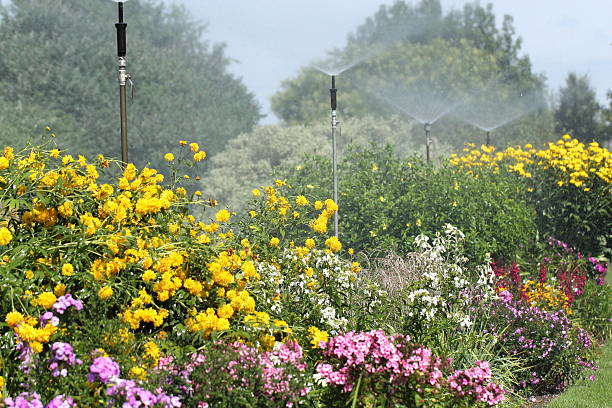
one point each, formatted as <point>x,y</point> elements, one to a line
<point>124,76</point>
<point>334,124</point>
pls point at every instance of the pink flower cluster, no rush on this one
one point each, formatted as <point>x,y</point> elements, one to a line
<point>476,382</point>
<point>277,381</point>
<point>280,372</point>
<point>103,369</point>
<point>401,367</point>
<point>376,353</point>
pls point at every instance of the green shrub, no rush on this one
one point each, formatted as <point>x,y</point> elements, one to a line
<point>385,202</point>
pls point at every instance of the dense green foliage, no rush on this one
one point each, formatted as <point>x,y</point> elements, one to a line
<point>58,68</point>
<point>386,201</point>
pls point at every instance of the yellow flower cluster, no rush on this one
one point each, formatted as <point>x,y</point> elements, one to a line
<point>546,297</point>
<point>319,224</point>
<point>135,317</point>
<point>25,328</point>
<point>5,236</point>
<point>206,322</point>
<point>333,243</point>
<point>575,163</point>
<point>317,336</point>
<point>45,300</point>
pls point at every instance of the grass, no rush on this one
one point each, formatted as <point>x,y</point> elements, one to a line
<point>590,394</point>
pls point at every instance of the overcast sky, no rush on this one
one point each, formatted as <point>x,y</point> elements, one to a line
<point>271,39</point>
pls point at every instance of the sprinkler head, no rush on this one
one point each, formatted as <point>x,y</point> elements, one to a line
<point>427,127</point>
<point>332,93</point>
<point>121,31</point>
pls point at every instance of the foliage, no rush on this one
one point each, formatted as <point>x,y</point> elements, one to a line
<point>568,183</point>
<point>553,350</point>
<point>563,279</point>
<point>183,87</point>
<point>578,109</point>
<point>305,286</point>
<point>250,159</point>
<point>437,294</point>
<point>147,276</point>
<point>114,293</point>
<point>386,202</point>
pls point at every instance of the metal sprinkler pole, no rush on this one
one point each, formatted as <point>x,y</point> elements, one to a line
<point>334,124</point>
<point>427,139</point>
<point>488,138</point>
<point>123,78</point>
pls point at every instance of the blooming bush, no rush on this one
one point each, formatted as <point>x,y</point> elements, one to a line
<point>564,280</point>
<point>552,348</point>
<point>114,293</point>
<point>569,184</point>
<point>96,258</point>
<point>439,289</point>
<point>384,371</point>
<point>237,375</point>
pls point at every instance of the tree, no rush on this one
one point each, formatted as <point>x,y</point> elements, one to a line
<point>419,42</point>
<point>61,56</point>
<point>250,160</point>
<point>578,109</point>
<point>606,122</point>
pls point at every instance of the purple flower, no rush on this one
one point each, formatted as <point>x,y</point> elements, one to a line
<point>62,355</point>
<point>64,302</point>
<point>24,400</point>
<point>49,317</point>
<point>103,369</point>
<point>136,397</point>
<point>61,401</point>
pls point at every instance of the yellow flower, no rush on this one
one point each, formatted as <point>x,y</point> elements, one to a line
<point>45,300</point>
<point>65,209</point>
<point>199,156</point>
<point>8,153</point>
<point>67,269</point>
<point>168,157</point>
<point>225,311</point>
<point>13,318</point>
<point>5,236</point>
<point>138,372</point>
<point>256,192</point>
<point>310,243</point>
<point>318,205</point>
<point>130,172</point>
<point>194,147</point>
<point>4,163</point>
<point>105,292</point>
<point>59,290</point>
<point>333,244</point>
<point>29,274</point>
<point>317,336</point>
<point>301,201</point>
<point>274,241</point>
<point>223,216</point>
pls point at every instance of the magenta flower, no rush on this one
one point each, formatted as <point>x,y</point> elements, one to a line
<point>103,369</point>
